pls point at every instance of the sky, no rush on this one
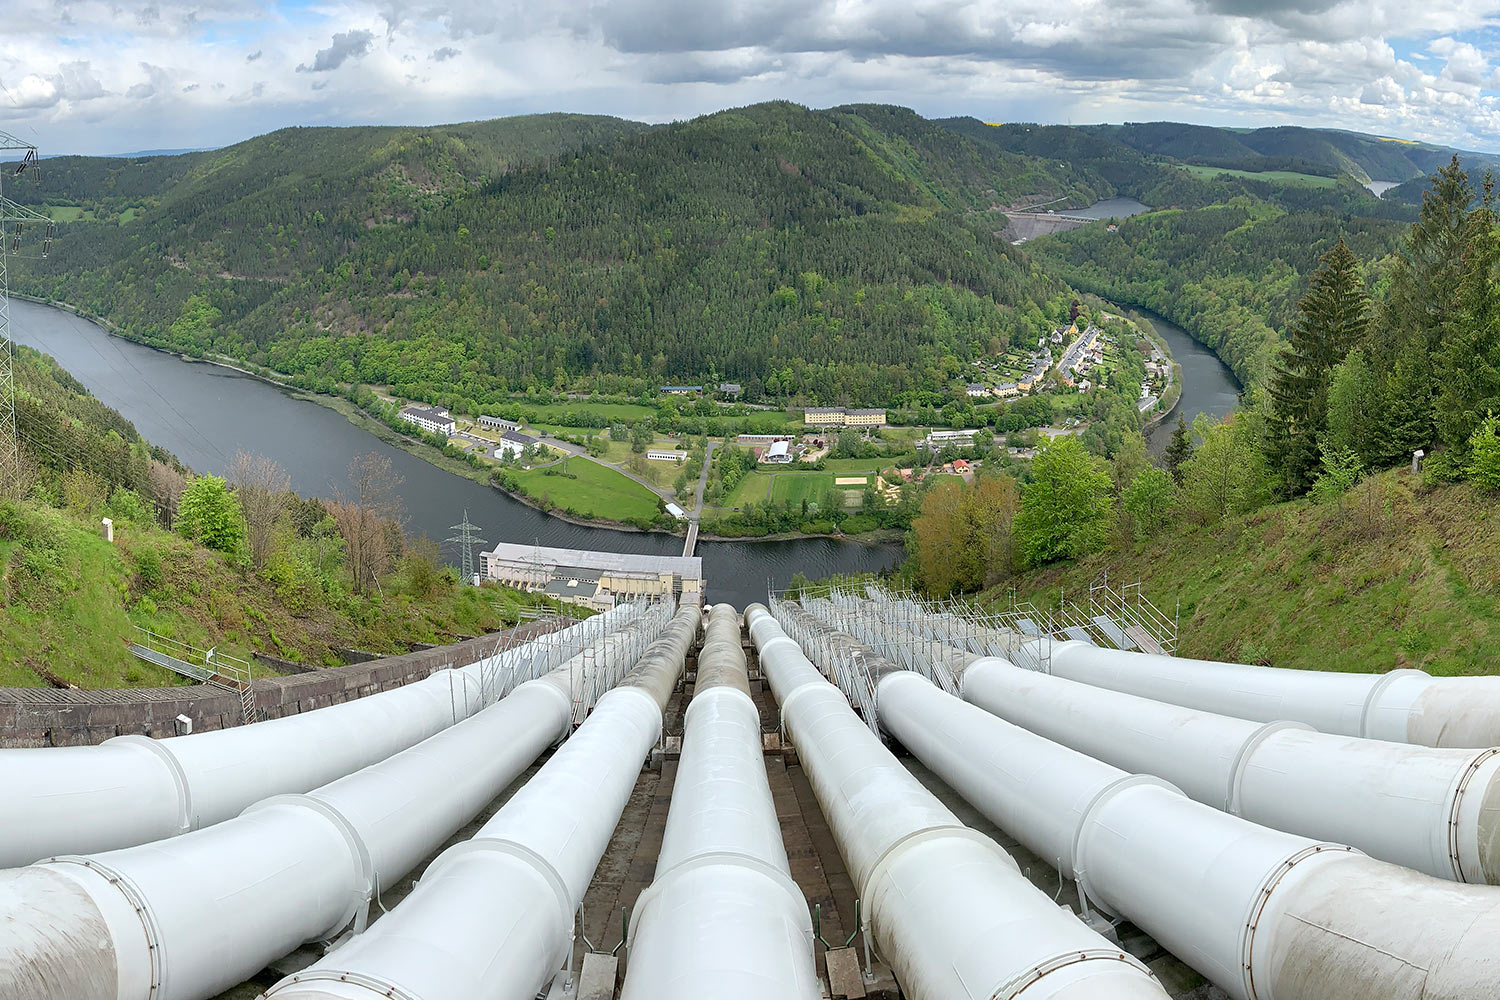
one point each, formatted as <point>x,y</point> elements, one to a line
<point>101,77</point>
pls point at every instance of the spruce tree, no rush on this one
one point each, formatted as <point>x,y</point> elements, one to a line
<point>1468,368</point>
<point>1422,304</point>
<point>1332,319</point>
<point>1179,450</point>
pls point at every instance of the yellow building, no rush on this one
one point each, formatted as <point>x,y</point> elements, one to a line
<point>822,416</point>
<point>864,418</point>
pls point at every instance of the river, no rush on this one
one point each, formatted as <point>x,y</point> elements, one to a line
<point>1208,386</point>
<point>204,413</point>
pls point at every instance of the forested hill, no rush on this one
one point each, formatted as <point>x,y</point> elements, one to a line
<point>293,172</point>
<point>1317,151</point>
<point>843,256</point>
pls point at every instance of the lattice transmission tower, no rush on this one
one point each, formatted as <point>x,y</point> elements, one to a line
<point>14,221</point>
<point>466,539</point>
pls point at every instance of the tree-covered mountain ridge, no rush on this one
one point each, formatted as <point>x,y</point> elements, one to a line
<point>849,252</point>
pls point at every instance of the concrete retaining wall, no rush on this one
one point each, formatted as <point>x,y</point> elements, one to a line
<point>48,717</point>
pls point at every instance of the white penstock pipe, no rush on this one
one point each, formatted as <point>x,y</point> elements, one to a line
<point>134,790</point>
<point>1404,706</point>
<point>187,917</point>
<point>723,919</point>
<point>1434,810</point>
<point>492,918</point>
<point>1265,915</point>
<point>948,909</point>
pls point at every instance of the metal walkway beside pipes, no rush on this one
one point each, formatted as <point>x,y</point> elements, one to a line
<point>723,918</point>
<point>1265,915</point>
<point>187,917</point>
<point>949,911</point>
<point>493,918</point>
<point>133,790</point>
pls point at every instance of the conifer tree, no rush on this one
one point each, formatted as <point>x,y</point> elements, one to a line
<point>1468,368</point>
<point>1332,319</point>
<point>1428,267</point>
<point>1179,450</point>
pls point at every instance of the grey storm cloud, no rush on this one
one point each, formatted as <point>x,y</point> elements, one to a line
<point>346,45</point>
<point>444,54</point>
<point>254,55</point>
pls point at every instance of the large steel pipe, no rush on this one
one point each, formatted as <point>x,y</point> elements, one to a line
<point>1431,809</point>
<point>187,917</point>
<point>949,911</point>
<point>1265,915</point>
<point>1434,810</point>
<point>723,918</point>
<point>1403,706</point>
<point>492,918</point>
<point>133,790</point>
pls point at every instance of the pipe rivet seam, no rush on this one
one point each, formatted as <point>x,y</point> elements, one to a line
<point>137,900</point>
<point>1263,896</point>
<point>1455,850</point>
<point>1019,984</point>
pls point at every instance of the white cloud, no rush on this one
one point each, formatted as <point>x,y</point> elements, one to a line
<point>212,71</point>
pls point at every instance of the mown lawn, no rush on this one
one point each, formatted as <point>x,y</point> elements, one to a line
<point>590,489</point>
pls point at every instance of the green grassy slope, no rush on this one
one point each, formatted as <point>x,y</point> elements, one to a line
<point>1402,576</point>
<point>69,600</point>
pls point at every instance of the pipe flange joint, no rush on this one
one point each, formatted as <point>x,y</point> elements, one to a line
<point>1245,752</point>
<point>888,857</point>
<point>379,987</point>
<point>1076,865</point>
<point>1460,789</point>
<point>716,859</point>
<point>150,929</point>
<point>186,821</point>
<point>1263,896</point>
<point>1372,699</point>
<point>524,854</point>
<point>358,850</point>
<point>1019,984</point>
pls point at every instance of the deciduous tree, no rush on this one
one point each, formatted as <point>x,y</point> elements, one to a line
<point>1065,509</point>
<point>261,486</point>
<point>210,514</point>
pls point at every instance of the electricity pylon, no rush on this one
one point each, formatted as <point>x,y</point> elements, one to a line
<point>14,219</point>
<point>466,540</point>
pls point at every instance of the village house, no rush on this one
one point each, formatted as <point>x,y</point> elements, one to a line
<point>430,418</point>
<point>976,391</point>
<point>513,443</point>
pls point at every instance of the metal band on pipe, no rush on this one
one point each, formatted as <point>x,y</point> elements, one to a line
<point>1078,867</point>
<point>1372,699</point>
<point>1245,752</point>
<point>1455,852</point>
<point>186,821</point>
<point>142,906</point>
